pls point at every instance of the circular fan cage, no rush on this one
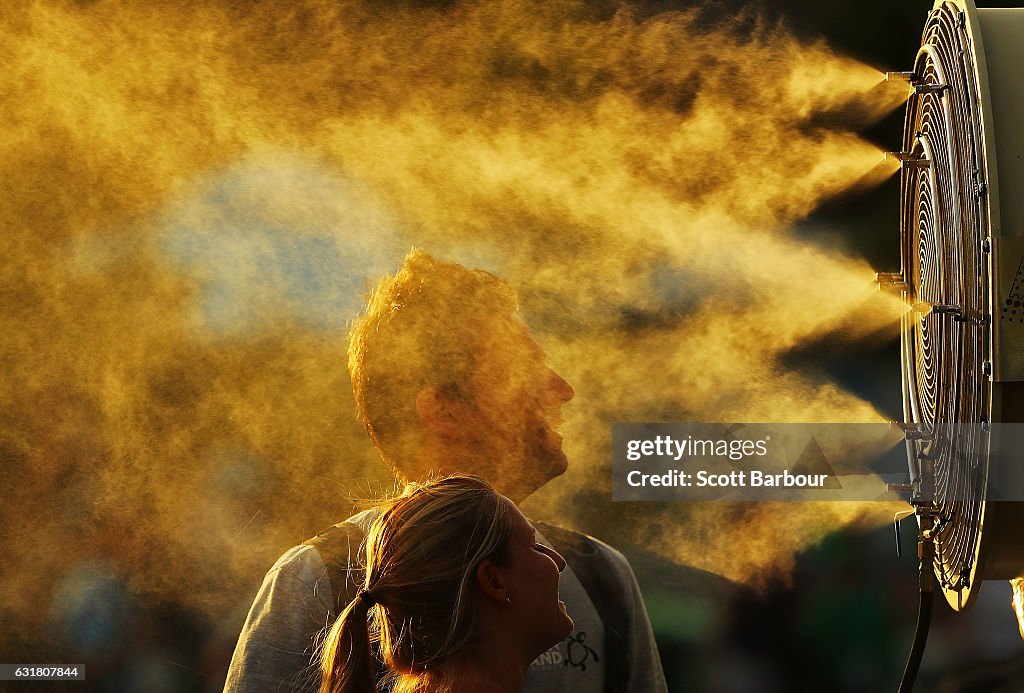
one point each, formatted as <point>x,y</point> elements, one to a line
<point>962,244</point>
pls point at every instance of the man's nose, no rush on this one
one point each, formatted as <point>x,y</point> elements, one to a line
<point>560,388</point>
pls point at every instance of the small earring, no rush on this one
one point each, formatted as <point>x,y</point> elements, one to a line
<point>508,598</point>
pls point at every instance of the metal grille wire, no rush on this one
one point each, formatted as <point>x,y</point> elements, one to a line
<point>943,228</point>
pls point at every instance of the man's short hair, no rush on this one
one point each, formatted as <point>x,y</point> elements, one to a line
<point>422,328</point>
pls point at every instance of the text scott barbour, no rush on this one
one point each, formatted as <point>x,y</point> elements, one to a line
<point>734,479</point>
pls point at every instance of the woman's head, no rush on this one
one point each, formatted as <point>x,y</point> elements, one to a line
<point>450,565</point>
<point>420,560</point>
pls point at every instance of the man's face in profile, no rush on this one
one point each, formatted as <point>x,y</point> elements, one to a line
<point>518,400</point>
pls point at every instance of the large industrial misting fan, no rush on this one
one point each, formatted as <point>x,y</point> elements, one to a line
<point>962,270</point>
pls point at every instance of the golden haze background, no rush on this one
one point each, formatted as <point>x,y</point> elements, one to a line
<point>194,193</point>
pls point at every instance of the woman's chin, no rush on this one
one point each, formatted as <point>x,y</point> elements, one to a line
<point>567,622</point>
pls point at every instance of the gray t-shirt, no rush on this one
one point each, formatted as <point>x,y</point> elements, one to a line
<point>276,648</point>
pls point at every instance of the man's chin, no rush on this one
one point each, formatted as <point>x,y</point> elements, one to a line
<point>548,457</point>
<point>559,464</point>
<point>536,472</point>
<point>550,465</point>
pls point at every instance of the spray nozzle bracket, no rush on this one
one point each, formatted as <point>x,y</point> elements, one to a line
<point>891,281</point>
<point>896,519</point>
<point>907,76</point>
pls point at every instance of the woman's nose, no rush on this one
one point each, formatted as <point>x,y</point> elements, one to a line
<point>557,558</point>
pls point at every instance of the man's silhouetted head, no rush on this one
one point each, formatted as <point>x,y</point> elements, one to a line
<point>447,378</point>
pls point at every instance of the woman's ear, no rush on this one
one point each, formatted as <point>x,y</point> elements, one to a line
<point>490,579</point>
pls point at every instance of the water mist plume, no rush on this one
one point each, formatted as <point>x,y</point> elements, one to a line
<point>192,197</point>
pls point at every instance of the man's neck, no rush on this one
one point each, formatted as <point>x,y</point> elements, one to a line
<point>437,459</point>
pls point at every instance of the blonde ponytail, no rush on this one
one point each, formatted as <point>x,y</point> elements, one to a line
<point>347,664</point>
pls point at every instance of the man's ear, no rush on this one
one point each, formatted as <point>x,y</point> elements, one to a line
<point>440,415</point>
<point>491,581</point>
